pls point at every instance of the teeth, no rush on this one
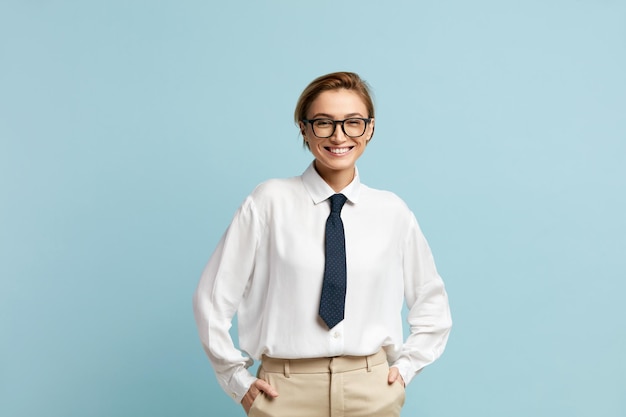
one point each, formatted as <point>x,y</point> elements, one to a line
<point>339,150</point>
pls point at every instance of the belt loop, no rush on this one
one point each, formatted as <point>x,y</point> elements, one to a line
<point>367,361</point>
<point>286,368</point>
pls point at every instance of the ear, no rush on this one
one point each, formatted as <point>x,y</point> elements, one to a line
<point>371,129</point>
<point>302,127</point>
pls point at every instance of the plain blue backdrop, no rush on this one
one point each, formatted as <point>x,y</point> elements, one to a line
<point>130,131</point>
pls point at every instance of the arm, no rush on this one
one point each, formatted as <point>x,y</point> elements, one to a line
<point>429,312</point>
<point>215,302</point>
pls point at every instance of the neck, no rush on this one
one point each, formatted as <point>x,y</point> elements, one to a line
<point>336,179</point>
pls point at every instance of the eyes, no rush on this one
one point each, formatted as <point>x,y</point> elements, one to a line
<point>327,123</point>
<point>353,127</point>
<point>354,122</point>
<point>323,123</point>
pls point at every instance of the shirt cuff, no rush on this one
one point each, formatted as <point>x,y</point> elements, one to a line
<point>406,370</point>
<point>239,385</point>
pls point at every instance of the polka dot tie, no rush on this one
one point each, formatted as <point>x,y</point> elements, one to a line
<point>333,298</point>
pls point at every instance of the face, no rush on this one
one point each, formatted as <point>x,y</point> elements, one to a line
<point>335,156</point>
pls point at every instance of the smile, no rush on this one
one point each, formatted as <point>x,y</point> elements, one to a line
<point>338,151</point>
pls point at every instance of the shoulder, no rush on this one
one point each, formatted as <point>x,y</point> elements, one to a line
<point>389,206</point>
<point>389,212</point>
<point>274,193</point>
<point>275,188</point>
<point>385,200</point>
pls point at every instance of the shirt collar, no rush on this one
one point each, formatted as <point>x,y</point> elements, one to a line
<point>320,191</point>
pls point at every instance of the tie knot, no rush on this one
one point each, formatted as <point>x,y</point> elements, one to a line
<point>336,202</point>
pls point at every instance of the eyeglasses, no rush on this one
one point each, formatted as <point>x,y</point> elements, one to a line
<point>353,127</point>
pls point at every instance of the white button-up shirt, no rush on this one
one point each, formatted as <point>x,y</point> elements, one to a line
<point>268,269</point>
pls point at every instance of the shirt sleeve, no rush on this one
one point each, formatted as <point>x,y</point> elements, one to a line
<point>429,312</point>
<point>216,299</point>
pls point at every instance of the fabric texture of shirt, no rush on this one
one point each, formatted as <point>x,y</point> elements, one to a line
<point>268,269</point>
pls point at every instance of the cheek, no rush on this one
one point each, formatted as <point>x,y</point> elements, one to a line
<point>315,149</point>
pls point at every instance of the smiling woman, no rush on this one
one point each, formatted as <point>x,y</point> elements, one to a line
<point>317,267</point>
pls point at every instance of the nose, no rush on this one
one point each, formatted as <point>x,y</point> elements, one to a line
<point>338,136</point>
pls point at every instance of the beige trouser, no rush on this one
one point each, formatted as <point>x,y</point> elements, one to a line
<point>346,386</point>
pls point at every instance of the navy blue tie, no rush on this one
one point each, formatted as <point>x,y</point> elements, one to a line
<point>333,298</point>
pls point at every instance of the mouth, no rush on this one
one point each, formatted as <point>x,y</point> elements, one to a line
<point>337,150</point>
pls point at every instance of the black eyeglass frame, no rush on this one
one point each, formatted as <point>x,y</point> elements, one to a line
<point>367,120</point>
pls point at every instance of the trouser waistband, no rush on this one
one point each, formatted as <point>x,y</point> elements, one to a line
<point>323,365</point>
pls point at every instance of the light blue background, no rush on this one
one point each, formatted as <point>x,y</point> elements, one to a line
<point>131,131</point>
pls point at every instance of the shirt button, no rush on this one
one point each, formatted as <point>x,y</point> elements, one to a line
<point>336,335</point>
<point>234,395</point>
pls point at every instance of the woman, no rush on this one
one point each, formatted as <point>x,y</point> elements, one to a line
<point>317,268</point>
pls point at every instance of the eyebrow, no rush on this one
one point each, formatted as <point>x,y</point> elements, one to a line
<point>326,115</point>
